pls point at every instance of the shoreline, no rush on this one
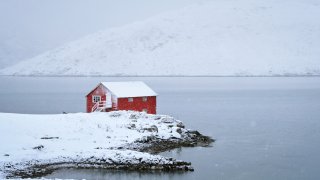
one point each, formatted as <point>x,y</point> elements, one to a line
<point>163,76</point>
<point>152,146</point>
<point>153,134</point>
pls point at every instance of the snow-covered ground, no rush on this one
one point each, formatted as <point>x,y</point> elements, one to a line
<point>29,140</point>
<point>218,37</point>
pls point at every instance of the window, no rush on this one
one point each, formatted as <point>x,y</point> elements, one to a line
<point>145,110</point>
<point>130,99</point>
<point>96,99</point>
<point>144,99</point>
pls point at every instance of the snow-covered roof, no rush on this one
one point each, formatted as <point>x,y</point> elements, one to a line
<point>129,89</point>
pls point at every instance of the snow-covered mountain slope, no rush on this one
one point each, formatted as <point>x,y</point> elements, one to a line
<point>218,37</point>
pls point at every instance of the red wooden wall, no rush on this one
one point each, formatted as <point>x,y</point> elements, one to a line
<point>138,104</point>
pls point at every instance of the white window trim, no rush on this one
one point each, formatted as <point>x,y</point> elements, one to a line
<point>144,99</point>
<point>130,99</point>
<point>93,98</point>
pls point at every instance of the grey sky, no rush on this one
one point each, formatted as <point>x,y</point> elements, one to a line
<point>30,27</point>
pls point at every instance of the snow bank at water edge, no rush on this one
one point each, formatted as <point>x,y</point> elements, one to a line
<point>34,145</point>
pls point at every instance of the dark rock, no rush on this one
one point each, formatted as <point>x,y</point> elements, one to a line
<point>157,118</point>
<point>49,138</point>
<point>38,147</point>
<point>133,116</point>
<point>152,128</point>
<point>167,120</point>
<point>180,125</point>
<point>132,126</point>
<point>154,145</point>
<point>115,114</point>
<point>179,130</point>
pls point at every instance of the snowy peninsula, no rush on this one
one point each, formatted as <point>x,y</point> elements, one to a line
<point>35,145</point>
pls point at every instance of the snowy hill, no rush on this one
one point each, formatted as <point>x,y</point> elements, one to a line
<point>233,37</point>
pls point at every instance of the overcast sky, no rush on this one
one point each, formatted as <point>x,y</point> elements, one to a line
<point>30,27</point>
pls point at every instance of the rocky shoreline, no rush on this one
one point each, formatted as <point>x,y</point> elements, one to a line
<point>38,171</point>
<point>155,145</point>
<point>151,145</point>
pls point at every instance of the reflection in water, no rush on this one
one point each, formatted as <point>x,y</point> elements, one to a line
<point>113,174</point>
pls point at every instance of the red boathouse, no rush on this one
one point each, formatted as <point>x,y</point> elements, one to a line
<point>113,96</point>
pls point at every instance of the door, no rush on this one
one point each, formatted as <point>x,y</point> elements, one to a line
<point>108,100</point>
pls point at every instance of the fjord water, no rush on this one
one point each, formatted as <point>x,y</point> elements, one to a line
<point>265,127</point>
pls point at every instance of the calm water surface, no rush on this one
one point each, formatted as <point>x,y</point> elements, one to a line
<point>266,128</point>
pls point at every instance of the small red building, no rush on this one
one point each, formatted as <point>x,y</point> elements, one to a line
<point>112,96</point>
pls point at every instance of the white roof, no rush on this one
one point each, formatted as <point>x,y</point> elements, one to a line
<point>129,89</point>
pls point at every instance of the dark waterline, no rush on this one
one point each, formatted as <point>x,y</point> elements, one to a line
<point>266,127</point>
